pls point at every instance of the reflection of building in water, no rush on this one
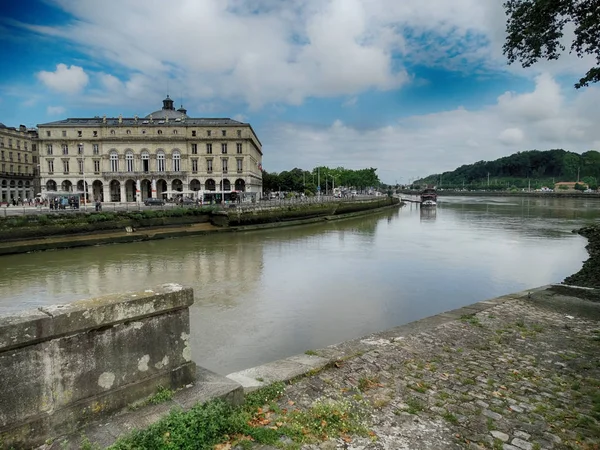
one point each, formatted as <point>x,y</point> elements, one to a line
<point>428,214</point>
<point>224,267</point>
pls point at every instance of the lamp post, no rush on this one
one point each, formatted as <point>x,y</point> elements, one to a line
<point>83,170</point>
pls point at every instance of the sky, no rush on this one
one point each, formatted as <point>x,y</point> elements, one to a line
<point>408,87</point>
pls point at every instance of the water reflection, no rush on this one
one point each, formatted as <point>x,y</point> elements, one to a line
<point>264,295</point>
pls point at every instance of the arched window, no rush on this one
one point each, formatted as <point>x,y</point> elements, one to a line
<point>129,161</point>
<point>174,131</point>
<point>51,185</point>
<point>114,161</point>
<point>176,161</point>
<point>128,131</point>
<point>159,132</point>
<point>160,161</point>
<point>112,131</point>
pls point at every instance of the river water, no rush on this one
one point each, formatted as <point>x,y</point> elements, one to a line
<point>265,295</point>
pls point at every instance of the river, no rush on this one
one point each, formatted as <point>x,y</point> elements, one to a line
<point>265,295</point>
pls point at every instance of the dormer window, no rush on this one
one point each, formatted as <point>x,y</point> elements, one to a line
<point>112,131</point>
<point>128,131</point>
<point>174,131</point>
<point>224,132</point>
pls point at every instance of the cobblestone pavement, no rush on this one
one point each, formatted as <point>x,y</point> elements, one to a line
<point>516,376</point>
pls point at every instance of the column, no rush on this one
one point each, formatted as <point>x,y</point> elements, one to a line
<point>106,192</point>
<point>138,191</point>
<point>123,192</point>
<point>153,188</point>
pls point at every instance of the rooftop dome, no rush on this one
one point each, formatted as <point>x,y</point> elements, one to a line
<point>168,110</point>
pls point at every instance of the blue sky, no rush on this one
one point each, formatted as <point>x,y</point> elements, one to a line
<point>407,87</point>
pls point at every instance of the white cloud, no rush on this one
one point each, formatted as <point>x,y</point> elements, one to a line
<point>55,110</point>
<point>432,143</point>
<point>68,80</point>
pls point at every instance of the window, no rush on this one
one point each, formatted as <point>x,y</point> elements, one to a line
<point>208,132</point>
<point>129,161</point>
<point>1,142</point>
<point>79,133</point>
<point>160,161</point>
<point>239,164</point>
<point>33,159</point>
<point>19,145</point>
<point>114,161</point>
<point>80,164</point>
<point>64,133</point>
<point>48,149</point>
<point>10,156</point>
<point>159,131</point>
<point>19,157</point>
<point>47,133</point>
<point>25,145</point>
<point>209,149</point>
<point>176,161</point>
<point>209,165</point>
<point>143,131</point>
<point>194,133</point>
<point>95,133</point>
<point>112,131</point>
<point>224,149</point>
<point>96,149</point>
<point>19,169</point>
<point>26,157</point>
<point>2,154</point>
<point>194,149</point>
<point>80,149</point>
<point>224,160</point>
<point>12,168</point>
<point>224,132</point>
<point>65,149</point>
<point>174,131</point>
<point>96,166</point>
<point>239,133</point>
<point>65,166</point>
<point>194,165</point>
<point>3,167</point>
<point>145,161</point>
<point>238,148</point>
<point>10,143</point>
<point>128,132</point>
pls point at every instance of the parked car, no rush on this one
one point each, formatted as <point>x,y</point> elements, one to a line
<point>154,202</point>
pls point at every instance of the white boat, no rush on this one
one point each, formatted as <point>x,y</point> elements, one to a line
<point>428,203</point>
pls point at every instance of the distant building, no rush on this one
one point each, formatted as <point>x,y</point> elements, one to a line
<point>569,185</point>
<point>165,154</point>
<point>18,163</point>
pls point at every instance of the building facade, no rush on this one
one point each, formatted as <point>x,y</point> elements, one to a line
<point>19,177</point>
<point>163,155</point>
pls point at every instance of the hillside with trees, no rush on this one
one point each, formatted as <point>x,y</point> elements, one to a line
<point>298,180</point>
<point>533,168</point>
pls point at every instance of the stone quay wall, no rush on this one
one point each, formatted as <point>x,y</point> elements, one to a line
<point>63,366</point>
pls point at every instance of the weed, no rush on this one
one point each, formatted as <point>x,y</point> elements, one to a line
<point>472,319</point>
<point>443,395</point>
<point>450,417</point>
<point>414,405</point>
<point>467,381</point>
<point>497,444</point>
<point>536,446</point>
<point>310,352</point>
<point>261,379</point>
<point>162,395</point>
<point>366,383</point>
<point>490,424</point>
<point>421,387</point>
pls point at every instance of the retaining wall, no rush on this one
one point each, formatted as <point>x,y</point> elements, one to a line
<point>64,365</point>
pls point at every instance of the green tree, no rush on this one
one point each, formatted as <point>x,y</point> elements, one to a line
<point>535,27</point>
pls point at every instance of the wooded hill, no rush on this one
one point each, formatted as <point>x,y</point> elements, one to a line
<point>530,168</point>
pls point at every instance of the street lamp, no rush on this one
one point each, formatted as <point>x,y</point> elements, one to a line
<point>83,170</point>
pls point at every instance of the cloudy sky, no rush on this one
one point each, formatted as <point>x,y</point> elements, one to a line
<point>409,87</point>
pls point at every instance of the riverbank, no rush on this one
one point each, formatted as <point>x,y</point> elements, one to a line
<point>248,220</point>
<point>519,371</point>
<point>589,275</point>
<point>568,194</point>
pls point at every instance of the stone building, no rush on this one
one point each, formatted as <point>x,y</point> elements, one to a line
<point>166,154</point>
<point>18,163</point>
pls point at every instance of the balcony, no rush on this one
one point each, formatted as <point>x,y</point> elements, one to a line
<point>26,176</point>
<point>145,174</point>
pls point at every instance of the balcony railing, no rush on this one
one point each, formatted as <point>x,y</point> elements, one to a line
<point>16,174</point>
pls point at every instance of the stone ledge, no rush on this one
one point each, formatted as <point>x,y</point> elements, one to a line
<point>49,322</point>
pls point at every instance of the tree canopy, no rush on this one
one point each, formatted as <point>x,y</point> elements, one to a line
<point>298,180</point>
<point>520,169</point>
<point>535,29</point>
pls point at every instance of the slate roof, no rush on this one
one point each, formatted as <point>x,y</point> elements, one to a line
<point>156,121</point>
